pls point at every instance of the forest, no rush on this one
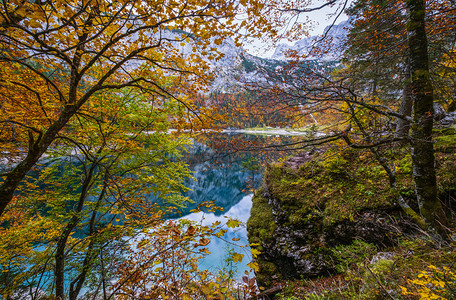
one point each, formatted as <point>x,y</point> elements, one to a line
<point>108,110</point>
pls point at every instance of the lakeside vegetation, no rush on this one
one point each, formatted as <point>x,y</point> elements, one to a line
<point>338,211</point>
<point>114,94</point>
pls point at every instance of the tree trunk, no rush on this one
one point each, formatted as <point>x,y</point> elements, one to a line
<point>403,125</point>
<point>59,269</point>
<point>36,149</point>
<point>422,95</point>
<point>41,144</point>
<point>76,285</point>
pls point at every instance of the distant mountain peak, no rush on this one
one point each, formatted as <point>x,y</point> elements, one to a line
<point>330,44</point>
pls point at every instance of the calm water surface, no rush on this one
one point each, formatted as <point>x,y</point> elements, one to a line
<point>223,176</point>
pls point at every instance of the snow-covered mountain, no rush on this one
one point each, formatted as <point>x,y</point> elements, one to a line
<point>232,72</point>
<point>330,44</point>
<point>237,66</point>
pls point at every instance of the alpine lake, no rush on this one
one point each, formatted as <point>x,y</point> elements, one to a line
<point>226,168</point>
<point>227,174</point>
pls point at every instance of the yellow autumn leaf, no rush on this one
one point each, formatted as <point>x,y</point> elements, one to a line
<point>232,223</point>
<point>237,257</point>
<point>254,252</point>
<point>221,233</point>
<point>254,266</point>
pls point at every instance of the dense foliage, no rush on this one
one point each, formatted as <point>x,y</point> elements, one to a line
<point>99,101</point>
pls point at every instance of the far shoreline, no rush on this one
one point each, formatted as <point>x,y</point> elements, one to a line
<point>273,131</point>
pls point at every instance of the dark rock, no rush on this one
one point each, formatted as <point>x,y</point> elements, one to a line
<point>303,250</point>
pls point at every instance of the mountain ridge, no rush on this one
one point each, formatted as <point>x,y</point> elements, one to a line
<point>331,42</point>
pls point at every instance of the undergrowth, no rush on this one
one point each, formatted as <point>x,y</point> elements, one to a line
<point>414,269</point>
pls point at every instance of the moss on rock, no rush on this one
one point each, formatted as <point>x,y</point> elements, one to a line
<point>261,224</point>
<point>302,212</point>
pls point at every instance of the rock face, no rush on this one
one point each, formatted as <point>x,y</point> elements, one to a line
<point>295,225</point>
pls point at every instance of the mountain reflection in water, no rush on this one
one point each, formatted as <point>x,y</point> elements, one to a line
<point>221,175</point>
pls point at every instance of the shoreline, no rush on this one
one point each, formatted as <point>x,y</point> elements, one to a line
<point>273,132</point>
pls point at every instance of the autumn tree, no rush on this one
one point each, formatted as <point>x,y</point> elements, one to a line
<point>96,86</point>
<point>363,97</point>
<point>408,38</point>
<point>377,53</point>
<point>75,50</point>
<point>92,222</point>
<point>98,185</point>
<point>377,49</point>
